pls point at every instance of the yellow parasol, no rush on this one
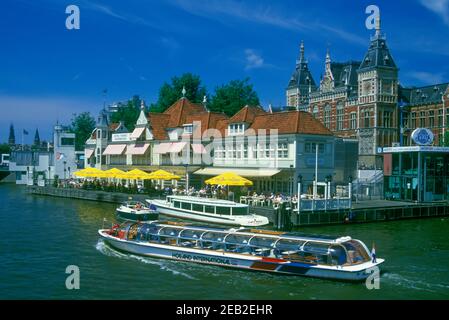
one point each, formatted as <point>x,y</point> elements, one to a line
<point>162,175</point>
<point>229,179</point>
<point>89,173</point>
<point>113,173</point>
<point>134,174</point>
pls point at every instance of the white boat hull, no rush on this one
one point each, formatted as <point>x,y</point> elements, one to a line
<point>248,262</point>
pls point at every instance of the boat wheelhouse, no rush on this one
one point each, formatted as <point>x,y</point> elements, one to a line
<point>208,210</point>
<point>341,258</point>
<point>136,211</point>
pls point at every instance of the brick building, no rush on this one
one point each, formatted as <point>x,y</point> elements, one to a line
<point>364,100</point>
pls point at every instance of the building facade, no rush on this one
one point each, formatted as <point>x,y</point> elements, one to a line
<point>274,149</point>
<point>363,100</point>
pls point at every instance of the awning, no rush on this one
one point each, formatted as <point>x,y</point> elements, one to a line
<point>114,149</point>
<point>137,133</point>
<point>241,172</point>
<point>162,148</point>
<point>198,148</point>
<point>177,147</point>
<point>88,153</point>
<point>137,149</point>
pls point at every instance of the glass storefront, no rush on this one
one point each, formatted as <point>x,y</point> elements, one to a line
<point>418,176</point>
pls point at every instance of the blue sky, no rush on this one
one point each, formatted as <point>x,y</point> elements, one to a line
<point>47,72</point>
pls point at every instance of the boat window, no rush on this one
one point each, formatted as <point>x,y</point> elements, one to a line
<point>263,242</point>
<point>238,239</point>
<point>317,248</point>
<point>289,245</point>
<point>338,255</point>
<point>197,207</point>
<point>186,205</point>
<point>214,236</point>
<point>170,232</point>
<point>191,234</point>
<point>356,252</point>
<point>223,210</point>
<point>142,234</point>
<point>210,209</point>
<point>177,204</point>
<point>239,211</point>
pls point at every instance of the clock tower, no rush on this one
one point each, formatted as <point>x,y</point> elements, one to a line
<point>377,102</point>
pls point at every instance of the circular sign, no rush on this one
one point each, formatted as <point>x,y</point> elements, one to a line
<point>422,136</point>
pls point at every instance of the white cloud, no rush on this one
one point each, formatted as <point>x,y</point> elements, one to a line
<point>217,9</point>
<point>253,60</point>
<point>439,7</point>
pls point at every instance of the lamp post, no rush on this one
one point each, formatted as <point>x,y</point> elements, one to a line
<point>299,192</point>
<point>350,191</point>
<point>65,170</point>
<point>401,105</point>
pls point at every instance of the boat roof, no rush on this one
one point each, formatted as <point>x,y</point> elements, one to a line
<point>259,233</point>
<point>207,201</point>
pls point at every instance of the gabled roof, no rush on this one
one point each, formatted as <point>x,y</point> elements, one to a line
<point>289,122</point>
<point>423,95</point>
<point>247,114</point>
<point>179,111</point>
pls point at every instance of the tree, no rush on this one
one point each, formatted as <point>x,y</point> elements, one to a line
<point>231,97</point>
<point>169,93</point>
<point>82,125</point>
<point>5,148</point>
<point>128,113</point>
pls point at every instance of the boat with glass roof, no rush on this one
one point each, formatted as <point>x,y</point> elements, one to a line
<point>340,258</point>
<point>208,210</point>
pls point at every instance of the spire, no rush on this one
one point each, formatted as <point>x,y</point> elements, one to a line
<point>205,103</point>
<point>378,30</point>
<point>183,92</point>
<point>328,56</point>
<point>142,105</point>
<point>12,136</point>
<point>37,139</point>
<point>301,53</point>
<point>270,108</point>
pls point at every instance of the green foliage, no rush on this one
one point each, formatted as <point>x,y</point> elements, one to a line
<point>5,148</point>
<point>169,93</point>
<point>446,139</point>
<point>231,97</point>
<point>82,125</point>
<point>128,113</point>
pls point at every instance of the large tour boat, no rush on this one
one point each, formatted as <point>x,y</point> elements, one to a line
<point>136,211</point>
<point>208,210</point>
<point>341,258</point>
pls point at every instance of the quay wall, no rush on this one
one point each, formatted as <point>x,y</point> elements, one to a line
<point>93,195</point>
<point>282,218</point>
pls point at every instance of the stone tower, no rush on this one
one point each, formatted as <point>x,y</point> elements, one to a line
<point>378,99</point>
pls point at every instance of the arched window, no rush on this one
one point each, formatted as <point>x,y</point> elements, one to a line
<point>327,115</point>
<point>340,115</point>
<point>315,111</point>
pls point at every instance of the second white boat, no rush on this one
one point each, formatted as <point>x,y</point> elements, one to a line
<point>208,210</point>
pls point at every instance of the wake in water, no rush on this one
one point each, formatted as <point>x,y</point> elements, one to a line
<point>108,251</point>
<point>415,284</point>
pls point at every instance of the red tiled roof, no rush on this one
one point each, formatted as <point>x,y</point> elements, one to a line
<point>158,123</point>
<point>247,114</point>
<point>179,111</point>
<point>208,120</point>
<point>289,122</point>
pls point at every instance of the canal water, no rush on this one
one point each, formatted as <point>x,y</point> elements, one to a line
<point>41,236</point>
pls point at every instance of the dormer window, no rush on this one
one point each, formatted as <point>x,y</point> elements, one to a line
<point>188,129</point>
<point>236,128</point>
